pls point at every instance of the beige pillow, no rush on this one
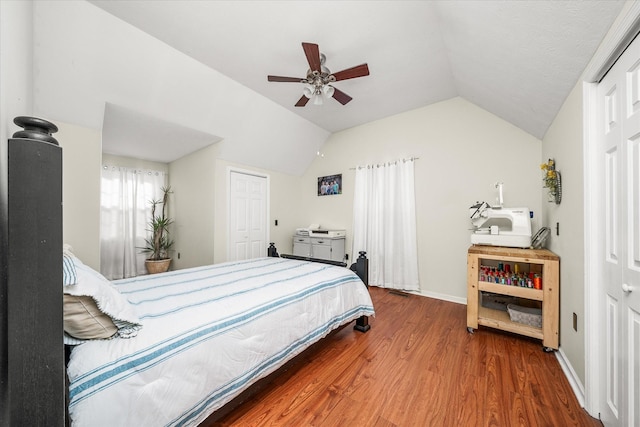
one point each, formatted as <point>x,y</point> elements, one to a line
<point>83,320</point>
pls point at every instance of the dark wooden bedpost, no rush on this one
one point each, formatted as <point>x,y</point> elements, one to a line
<point>32,372</point>
<point>362,270</point>
<point>272,251</point>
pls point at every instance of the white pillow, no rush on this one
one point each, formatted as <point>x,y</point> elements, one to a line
<point>107,298</point>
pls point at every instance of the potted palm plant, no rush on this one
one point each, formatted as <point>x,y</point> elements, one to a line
<point>159,244</point>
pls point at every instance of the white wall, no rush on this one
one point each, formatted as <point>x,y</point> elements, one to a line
<point>15,100</point>
<point>81,163</point>
<point>463,151</point>
<point>192,181</point>
<point>563,142</point>
<point>81,146</point>
<point>16,64</point>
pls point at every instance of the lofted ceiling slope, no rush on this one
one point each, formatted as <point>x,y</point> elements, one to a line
<point>516,59</point>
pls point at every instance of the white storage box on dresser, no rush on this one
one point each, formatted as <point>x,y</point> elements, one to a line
<point>323,244</point>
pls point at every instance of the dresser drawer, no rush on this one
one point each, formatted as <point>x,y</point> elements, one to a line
<point>301,239</point>
<point>320,241</point>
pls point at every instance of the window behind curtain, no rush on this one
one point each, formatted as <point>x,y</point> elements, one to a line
<point>125,212</point>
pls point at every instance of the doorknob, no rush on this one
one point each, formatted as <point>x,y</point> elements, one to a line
<point>626,288</point>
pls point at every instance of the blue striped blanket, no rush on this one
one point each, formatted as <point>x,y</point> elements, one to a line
<point>208,333</point>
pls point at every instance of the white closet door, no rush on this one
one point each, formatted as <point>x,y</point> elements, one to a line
<point>247,216</point>
<point>619,98</point>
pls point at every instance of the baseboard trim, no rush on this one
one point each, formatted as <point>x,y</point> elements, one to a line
<point>443,297</point>
<point>572,377</point>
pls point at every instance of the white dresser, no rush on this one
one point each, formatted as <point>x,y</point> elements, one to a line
<point>331,248</point>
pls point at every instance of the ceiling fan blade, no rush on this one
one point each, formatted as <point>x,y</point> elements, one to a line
<point>340,96</point>
<point>302,101</point>
<point>353,72</point>
<point>312,52</point>
<point>284,79</point>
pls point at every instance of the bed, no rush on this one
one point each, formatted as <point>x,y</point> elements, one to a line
<point>187,342</point>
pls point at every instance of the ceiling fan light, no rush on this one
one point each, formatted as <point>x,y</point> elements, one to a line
<point>328,90</point>
<point>307,91</point>
<point>317,99</point>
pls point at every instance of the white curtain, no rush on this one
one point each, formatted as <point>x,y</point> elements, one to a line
<point>384,223</point>
<point>124,215</point>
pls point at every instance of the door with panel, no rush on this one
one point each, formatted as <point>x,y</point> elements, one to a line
<point>247,216</point>
<point>619,149</point>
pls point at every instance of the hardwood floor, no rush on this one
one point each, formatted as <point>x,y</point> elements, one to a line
<point>417,366</point>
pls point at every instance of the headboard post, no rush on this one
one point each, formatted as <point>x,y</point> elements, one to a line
<point>32,379</point>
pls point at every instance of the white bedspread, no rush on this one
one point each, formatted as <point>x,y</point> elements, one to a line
<point>207,334</point>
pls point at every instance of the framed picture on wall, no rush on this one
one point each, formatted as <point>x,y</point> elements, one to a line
<point>330,185</point>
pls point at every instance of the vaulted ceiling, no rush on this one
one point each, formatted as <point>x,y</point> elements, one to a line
<point>516,59</point>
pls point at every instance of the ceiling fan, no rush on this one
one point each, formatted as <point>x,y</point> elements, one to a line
<point>317,84</point>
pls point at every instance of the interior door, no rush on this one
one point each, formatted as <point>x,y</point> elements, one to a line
<point>247,216</point>
<point>619,371</point>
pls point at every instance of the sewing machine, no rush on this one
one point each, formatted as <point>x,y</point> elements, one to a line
<point>498,226</point>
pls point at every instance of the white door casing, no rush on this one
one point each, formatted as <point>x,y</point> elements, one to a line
<point>248,215</point>
<point>618,150</point>
<point>631,265</point>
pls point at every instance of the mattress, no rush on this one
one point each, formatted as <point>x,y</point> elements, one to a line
<point>207,334</point>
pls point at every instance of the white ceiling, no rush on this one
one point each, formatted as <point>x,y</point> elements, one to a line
<point>123,129</point>
<point>516,59</point>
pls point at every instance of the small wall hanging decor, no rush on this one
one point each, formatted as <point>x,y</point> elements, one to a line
<point>552,181</point>
<point>330,185</point>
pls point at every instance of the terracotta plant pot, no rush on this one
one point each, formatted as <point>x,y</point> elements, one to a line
<point>159,266</point>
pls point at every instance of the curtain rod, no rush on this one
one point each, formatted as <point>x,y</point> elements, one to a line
<point>410,159</point>
<point>136,170</point>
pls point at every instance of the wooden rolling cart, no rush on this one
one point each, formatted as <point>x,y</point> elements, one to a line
<point>544,262</point>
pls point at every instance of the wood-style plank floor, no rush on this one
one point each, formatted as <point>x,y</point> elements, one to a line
<point>417,366</point>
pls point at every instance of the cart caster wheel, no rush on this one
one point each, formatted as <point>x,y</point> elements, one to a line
<point>469,329</point>
<point>547,349</point>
